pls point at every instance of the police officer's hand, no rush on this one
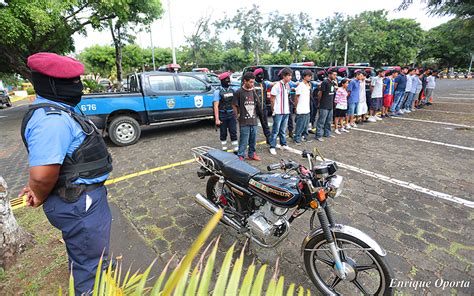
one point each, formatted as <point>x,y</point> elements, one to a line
<point>218,122</point>
<point>31,198</point>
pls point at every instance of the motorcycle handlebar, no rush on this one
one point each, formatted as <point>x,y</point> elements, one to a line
<point>275,166</point>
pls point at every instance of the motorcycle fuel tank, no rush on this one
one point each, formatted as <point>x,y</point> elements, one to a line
<point>279,189</point>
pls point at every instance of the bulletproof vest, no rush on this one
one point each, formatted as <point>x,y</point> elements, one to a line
<point>90,160</point>
<point>226,95</point>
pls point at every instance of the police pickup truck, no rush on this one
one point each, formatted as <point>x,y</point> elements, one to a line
<point>152,98</point>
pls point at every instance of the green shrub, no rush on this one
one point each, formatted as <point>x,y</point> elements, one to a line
<point>92,86</point>
<point>30,91</point>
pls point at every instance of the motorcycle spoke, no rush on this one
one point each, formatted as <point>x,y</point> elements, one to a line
<point>324,260</point>
<point>359,286</point>
<point>365,267</point>
<point>336,281</point>
<point>341,252</point>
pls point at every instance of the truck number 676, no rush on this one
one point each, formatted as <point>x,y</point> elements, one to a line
<point>88,107</point>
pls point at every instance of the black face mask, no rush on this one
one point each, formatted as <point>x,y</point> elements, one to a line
<point>259,78</point>
<point>67,90</point>
<point>225,82</point>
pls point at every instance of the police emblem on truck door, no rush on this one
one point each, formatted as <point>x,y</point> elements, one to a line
<point>170,102</point>
<point>198,101</point>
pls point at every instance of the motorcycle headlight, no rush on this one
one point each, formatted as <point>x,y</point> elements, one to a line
<point>335,185</point>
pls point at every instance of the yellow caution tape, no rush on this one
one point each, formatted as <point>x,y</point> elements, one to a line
<point>20,202</point>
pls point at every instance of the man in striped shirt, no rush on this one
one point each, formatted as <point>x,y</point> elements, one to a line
<point>281,110</point>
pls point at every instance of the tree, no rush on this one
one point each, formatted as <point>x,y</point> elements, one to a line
<point>249,25</point>
<point>205,49</point>
<point>12,237</point>
<point>98,60</point>
<point>449,44</point>
<point>235,59</point>
<point>28,27</point>
<point>129,13</point>
<point>291,30</point>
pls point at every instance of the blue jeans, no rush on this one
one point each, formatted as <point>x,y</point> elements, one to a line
<point>280,122</point>
<point>302,121</point>
<point>409,102</point>
<point>86,233</point>
<point>248,136</point>
<point>397,100</point>
<point>324,121</point>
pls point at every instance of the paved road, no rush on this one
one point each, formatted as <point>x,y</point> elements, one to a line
<point>426,226</point>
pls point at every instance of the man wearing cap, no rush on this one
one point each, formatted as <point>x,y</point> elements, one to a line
<point>69,164</point>
<point>223,113</point>
<point>261,87</point>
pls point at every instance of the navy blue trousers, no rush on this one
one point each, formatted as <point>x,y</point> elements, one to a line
<point>86,232</point>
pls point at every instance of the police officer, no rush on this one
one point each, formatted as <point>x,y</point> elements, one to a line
<point>261,87</point>
<point>69,164</point>
<point>223,113</point>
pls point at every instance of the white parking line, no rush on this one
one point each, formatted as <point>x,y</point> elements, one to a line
<point>2,116</point>
<point>453,98</point>
<point>456,103</point>
<point>437,122</point>
<point>441,111</point>
<point>414,139</point>
<point>466,94</point>
<point>401,183</point>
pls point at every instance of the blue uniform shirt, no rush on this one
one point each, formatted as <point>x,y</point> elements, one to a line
<point>353,87</point>
<point>402,82</point>
<point>51,137</point>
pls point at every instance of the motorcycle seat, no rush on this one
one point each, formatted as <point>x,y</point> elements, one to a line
<point>232,167</point>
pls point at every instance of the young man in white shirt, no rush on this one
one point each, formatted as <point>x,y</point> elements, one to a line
<point>430,86</point>
<point>303,107</point>
<point>279,97</point>
<point>376,97</point>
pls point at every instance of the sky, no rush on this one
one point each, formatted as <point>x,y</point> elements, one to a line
<point>185,13</point>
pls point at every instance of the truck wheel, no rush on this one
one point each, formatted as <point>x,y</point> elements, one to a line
<point>124,131</point>
<point>9,102</point>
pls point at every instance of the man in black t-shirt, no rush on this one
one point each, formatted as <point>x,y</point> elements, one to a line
<point>247,108</point>
<point>327,91</point>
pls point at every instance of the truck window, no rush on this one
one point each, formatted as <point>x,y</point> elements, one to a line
<point>191,84</point>
<point>162,83</point>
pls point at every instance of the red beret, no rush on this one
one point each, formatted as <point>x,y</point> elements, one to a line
<point>224,75</point>
<point>53,65</point>
<point>257,71</point>
<point>342,70</point>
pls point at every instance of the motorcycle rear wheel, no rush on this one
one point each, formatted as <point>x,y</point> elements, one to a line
<point>360,269</point>
<point>214,191</point>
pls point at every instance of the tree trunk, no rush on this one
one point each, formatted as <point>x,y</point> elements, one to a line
<point>116,37</point>
<point>13,238</point>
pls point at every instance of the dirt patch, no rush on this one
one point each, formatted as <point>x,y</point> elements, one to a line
<point>43,267</point>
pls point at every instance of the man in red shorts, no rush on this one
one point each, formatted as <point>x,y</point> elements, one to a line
<point>388,90</point>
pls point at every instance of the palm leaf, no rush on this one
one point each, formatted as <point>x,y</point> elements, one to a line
<point>233,284</point>
<point>71,284</point>
<point>141,284</point>
<point>221,282</point>
<point>156,288</point>
<point>207,273</point>
<point>258,283</point>
<point>291,290</point>
<point>247,282</point>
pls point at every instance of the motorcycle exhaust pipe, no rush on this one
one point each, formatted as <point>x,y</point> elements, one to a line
<point>205,203</point>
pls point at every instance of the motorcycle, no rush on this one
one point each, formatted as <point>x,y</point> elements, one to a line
<point>260,205</point>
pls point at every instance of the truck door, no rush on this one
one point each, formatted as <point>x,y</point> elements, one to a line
<point>161,97</point>
<point>195,96</point>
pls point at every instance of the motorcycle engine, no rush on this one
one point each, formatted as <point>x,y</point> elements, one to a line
<point>266,220</point>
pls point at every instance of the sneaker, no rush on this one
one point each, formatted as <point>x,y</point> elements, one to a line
<point>428,104</point>
<point>378,118</point>
<point>273,151</point>
<point>241,158</point>
<point>291,134</point>
<point>278,146</point>
<point>283,147</point>
<point>297,143</point>
<point>224,148</point>
<point>330,136</point>
<point>372,119</point>
<point>401,111</point>
<point>354,125</point>
<point>320,139</point>
<point>344,130</point>
<point>312,130</point>
<point>307,140</point>
<point>348,126</point>
<point>255,157</point>
<point>407,111</point>
<point>337,131</point>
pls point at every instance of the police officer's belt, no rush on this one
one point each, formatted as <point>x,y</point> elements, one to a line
<point>89,161</point>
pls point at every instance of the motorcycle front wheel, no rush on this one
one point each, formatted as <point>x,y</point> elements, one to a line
<point>367,272</point>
